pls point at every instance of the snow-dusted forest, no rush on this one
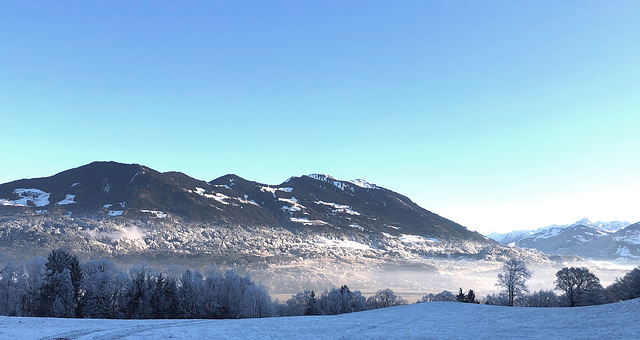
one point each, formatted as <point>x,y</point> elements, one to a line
<point>60,286</point>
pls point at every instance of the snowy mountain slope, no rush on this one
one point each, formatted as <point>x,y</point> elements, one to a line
<point>441,320</point>
<point>600,240</point>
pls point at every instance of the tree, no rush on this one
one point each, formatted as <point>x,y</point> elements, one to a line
<point>626,288</point>
<point>101,281</point>
<point>139,292</point>
<point>576,283</point>
<point>496,299</point>
<point>256,303</point>
<point>12,288</point>
<point>541,298</point>
<point>514,279</point>
<point>312,304</point>
<point>445,295</point>
<point>461,296</point>
<point>36,274</point>
<point>470,297</point>
<point>189,293</point>
<point>385,298</point>
<point>62,290</point>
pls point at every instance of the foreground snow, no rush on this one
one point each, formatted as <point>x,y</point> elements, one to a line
<point>428,320</point>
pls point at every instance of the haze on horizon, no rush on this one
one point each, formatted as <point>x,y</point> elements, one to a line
<point>497,115</point>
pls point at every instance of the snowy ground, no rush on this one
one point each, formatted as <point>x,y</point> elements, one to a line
<point>441,320</point>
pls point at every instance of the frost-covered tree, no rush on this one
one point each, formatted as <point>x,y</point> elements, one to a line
<point>103,284</point>
<point>385,298</point>
<point>164,298</point>
<point>343,300</point>
<point>445,295</point>
<point>231,292</point>
<point>576,283</point>
<point>312,304</point>
<point>256,303</point>
<point>297,304</point>
<point>62,290</point>
<point>190,290</point>
<point>210,303</point>
<point>59,295</point>
<point>12,288</point>
<point>35,279</point>
<point>513,279</point>
<point>496,299</point>
<point>139,293</point>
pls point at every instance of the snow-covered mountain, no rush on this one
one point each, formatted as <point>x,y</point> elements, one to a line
<point>309,232</point>
<point>600,240</point>
<point>318,202</point>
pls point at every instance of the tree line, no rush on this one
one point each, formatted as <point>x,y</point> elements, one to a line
<point>578,286</point>
<point>60,286</point>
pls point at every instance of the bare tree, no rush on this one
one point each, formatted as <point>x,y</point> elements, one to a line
<point>576,282</point>
<point>514,279</point>
<point>385,298</point>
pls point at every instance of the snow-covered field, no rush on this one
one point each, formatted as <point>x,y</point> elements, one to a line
<point>440,320</point>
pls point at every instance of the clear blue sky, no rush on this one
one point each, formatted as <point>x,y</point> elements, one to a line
<point>499,115</point>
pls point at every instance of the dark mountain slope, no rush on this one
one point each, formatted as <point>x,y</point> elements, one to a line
<point>314,203</point>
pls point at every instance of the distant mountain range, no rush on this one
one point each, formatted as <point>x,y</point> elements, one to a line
<point>600,240</point>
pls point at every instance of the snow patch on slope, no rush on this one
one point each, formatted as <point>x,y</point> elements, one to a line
<point>364,184</point>
<point>68,199</point>
<point>37,196</point>
<point>342,244</point>
<point>417,239</point>
<point>306,221</point>
<point>330,179</point>
<point>155,213</point>
<point>339,208</point>
<point>273,190</point>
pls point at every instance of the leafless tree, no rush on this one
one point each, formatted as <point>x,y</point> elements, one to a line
<point>576,282</point>
<point>385,298</point>
<point>514,279</point>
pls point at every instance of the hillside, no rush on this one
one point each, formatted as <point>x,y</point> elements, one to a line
<point>442,320</point>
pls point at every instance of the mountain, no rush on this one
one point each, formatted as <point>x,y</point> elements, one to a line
<point>315,201</point>
<point>309,232</point>
<point>601,240</point>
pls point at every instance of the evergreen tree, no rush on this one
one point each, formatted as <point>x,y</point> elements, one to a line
<point>312,304</point>
<point>63,285</point>
<point>471,297</point>
<point>461,297</point>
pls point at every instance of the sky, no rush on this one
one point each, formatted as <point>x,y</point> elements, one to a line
<point>498,115</point>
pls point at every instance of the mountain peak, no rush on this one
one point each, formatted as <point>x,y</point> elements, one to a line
<point>584,221</point>
<point>364,184</point>
<point>328,178</point>
<point>322,177</point>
